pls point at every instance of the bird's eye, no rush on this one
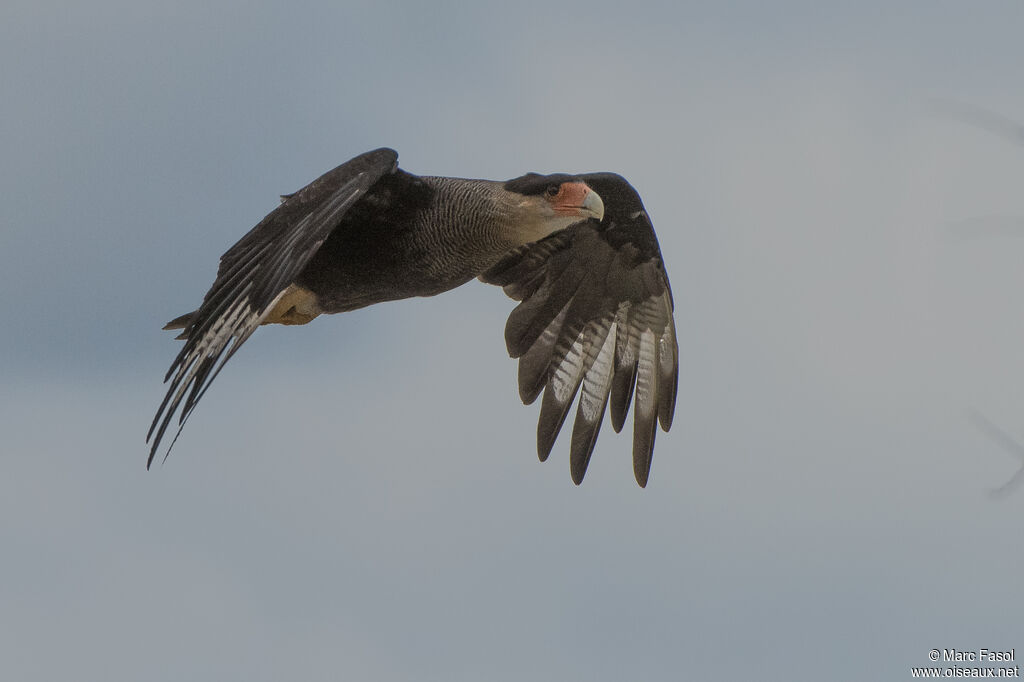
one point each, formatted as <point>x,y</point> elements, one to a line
<point>552,191</point>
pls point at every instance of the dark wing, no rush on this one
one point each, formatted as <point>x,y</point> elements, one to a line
<point>596,313</point>
<point>254,273</point>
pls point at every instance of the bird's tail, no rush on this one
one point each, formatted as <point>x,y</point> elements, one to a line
<point>294,305</point>
<point>181,322</point>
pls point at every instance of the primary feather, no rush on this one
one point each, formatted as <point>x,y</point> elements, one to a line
<point>577,251</point>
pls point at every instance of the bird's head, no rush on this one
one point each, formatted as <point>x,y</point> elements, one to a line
<point>548,203</point>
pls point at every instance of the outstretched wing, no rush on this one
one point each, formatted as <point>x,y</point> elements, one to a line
<point>595,319</point>
<point>254,273</point>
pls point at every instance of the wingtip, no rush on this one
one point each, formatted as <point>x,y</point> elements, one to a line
<point>618,418</point>
<point>584,439</point>
<point>623,382</point>
<point>642,466</point>
<point>579,460</point>
<point>544,447</point>
<point>549,423</point>
<point>578,466</point>
<point>644,435</point>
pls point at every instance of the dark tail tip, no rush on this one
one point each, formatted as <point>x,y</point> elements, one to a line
<point>181,321</point>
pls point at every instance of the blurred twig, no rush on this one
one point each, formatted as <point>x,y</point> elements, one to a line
<point>1008,443</point>
<point>997,124</point>
<point>978,117</point>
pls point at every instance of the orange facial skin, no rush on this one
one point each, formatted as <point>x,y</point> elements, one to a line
<point>571,198</point>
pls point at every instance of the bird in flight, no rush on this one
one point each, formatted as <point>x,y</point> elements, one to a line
<point>577,251</point>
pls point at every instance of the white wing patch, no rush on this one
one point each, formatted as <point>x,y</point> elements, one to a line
<point>646,374</point>
<point>565,376</point>
<point>594,394</point>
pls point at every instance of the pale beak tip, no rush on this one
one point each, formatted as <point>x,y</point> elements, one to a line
<point>593,204</point>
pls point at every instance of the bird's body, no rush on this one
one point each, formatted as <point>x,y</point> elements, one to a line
<point>402,244</point>
<point>368,232</point>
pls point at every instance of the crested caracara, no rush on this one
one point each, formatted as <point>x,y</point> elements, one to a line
<point>577,251</point>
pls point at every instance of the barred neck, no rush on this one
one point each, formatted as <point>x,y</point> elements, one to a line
<point>486,211</point>
<point>477,212</point>
<point>466,229</point>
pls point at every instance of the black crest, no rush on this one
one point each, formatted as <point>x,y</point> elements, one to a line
<point>535,183</point>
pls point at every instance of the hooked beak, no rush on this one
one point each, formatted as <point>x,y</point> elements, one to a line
<point>593,204</point>
<point>577,200</point>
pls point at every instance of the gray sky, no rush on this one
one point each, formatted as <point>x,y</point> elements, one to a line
<point>360,498</point>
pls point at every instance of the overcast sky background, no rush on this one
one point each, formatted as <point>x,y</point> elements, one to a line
<point>360,499</point>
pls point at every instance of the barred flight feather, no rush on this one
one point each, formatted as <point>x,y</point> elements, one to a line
<point>594,319</point>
